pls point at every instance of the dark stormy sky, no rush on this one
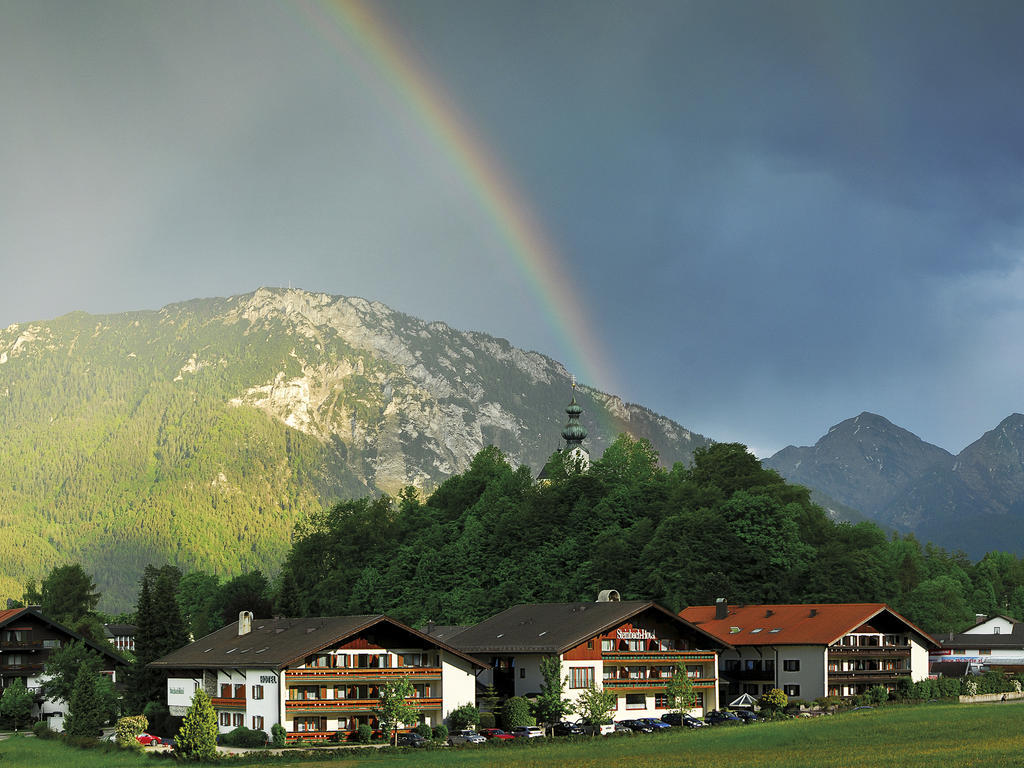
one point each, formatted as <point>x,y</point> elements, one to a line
<point>769,216</point>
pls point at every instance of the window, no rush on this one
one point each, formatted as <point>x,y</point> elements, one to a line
<point>240,691</point>
<point>959,651</point>
<point>225,719</point>
<point>51,643</point>
<point>791,690</point>
<point>661,701</point>
<point>791,665</point>
<point>414,660</point>
<point>667,645</point>
<point>257,691</point>
<point>636,645</point>
<point>322,660</point>
<point>238,720</point>
<point>306,724</point>
<point>257,722</point>
<point>732,665</point>
<point>225,690</point>
<point>608,673</point>
<point>636,701</point>
<point>590,644</point>
<point>984,651</point>
<point>607,644</point>
<point>694,671</point>
<point>996,630</point>
<point>341,660</point>
<point>665,672</point>
<point>17,635</point>
<point>522,672</point>
<point>581,677</point>
<point>421,691</point>
<point>699,702</point>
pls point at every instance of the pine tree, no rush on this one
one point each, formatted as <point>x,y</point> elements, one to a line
<point>197,738</point>
<point>85,710</point>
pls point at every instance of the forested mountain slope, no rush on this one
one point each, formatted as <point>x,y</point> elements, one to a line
<point>200,433</point>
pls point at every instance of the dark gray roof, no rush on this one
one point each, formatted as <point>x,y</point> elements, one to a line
<point>278,643</point>
<point>444,632</point>
<point>6,617</point>
<point>557,627</point>
<point>120,630</point>
<point>1012,639</point>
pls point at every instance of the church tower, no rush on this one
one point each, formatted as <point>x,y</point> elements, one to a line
<point>574,433</point>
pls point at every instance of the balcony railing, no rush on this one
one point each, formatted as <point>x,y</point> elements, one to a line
<point>675,657</point>
<point>350,673</point>
<point>228,703</point>
<point>21,667</point>
<point>320,706</point>
<point>875,651</point>
<point>12,645</point>
<point>867,674</point>
<point>652,683</point>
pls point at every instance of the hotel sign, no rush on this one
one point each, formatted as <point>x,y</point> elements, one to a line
<point>635,634</point>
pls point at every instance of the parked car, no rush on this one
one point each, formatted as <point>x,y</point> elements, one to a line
<point>148,739</point>
<point>465,737</point>
<point>411,739</point>
<point>567,729</point>
<point>748,716</point>
<point>605,729</point>
<point>636,726</point>
<point>655,724</point>
<point>684,718</point>
<point>168,742</point>
<point>721,717</point>
<point>528,732</point>
<point>621,730</point>
<point>496,733</point>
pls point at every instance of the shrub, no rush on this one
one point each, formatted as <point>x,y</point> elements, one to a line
<point>487,720</point>
<point>516,712</point>
<point>364,733</point>
<point>244,737</point>
<point>877,694</point>
<point>42,730</point>
<point>424,730</point>
<point>337,737</point>
<point>440,732</point>
<point>969,687</point>
<point>464,717</point>
<point>949,687</point>
<point>127,728</point>
<point>197,739</point>
<point>278,734</point>
<point>774,700</point>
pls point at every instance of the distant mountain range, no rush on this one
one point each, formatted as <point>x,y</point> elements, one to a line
<point>973,501</point>
<point>200,433</point>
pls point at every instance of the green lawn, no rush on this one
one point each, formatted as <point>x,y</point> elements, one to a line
<point>946,735</point>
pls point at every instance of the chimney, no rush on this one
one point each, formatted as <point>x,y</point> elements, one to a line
<point>768,613</point>
<point>814,612</point>
<point>979,618</point>
<point>608,596</point>
<point>244,622</point>
<point>721,608</point>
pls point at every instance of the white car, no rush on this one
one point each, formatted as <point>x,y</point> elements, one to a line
<point>528,732</point>
<point>466,737</point>
<point>605,729</point>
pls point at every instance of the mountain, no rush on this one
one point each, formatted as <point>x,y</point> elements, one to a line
<point>200,433</point>
<point>973,501</point>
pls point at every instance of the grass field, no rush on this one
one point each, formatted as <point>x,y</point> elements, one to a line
<point>941,735</point>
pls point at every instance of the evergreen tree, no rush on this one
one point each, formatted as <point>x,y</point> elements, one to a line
<point>63,668</point>
<point>197,738</point>
<point>160,630</point>
<point>86,713</point>
<point>288,601</point>
<point>68,594</point>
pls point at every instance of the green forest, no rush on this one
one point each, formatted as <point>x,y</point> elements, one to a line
<point>493,536</point>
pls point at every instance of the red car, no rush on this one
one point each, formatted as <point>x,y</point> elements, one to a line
<point>496,733</point>
<point>148,740</point>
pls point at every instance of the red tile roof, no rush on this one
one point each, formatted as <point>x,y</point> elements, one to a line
<point>806,624</point>
<point>9,613</point>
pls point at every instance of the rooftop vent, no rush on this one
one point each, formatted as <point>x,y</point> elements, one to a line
<point>814,612</point>
<point>608,596</point>
<point>768,613</point>
<point>733,630</point>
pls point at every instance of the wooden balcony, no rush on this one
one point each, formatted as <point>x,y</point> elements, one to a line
<point>869,652</point>
<point>353,675</point>
<point>228,703</point>
<point>653,683</point>
<point>327,706</point>
<point>655,657</point>
<point>38,667</point>
<point>867,675</point>
<point>21,645</point>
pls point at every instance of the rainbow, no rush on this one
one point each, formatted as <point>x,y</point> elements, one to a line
<point>342,22</point>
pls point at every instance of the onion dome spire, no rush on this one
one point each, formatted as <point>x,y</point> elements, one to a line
<point>573,432</point>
